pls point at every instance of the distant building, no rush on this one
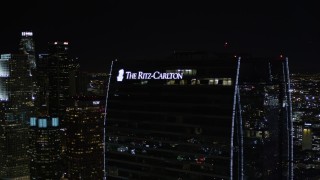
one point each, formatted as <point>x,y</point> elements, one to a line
<point>14,146</point>
<point>59,65</point>
<point>84,153</point>
<point>27,47</point>
<point>4,76</point>
<point>306,103</point>
<point>55,77</point>
<point>96,84</point>
<point>307,138</point>
<point>16,86</point>
<point>45,148</point>
<point>17,101</point>
<point>267,118</point>
<point>17,96</point>
<point>42,79</point>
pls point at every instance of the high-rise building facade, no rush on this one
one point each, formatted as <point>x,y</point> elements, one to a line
<point>182,118</point>
<point>14,146</point>
<point>174,119</point>
<point>16,86</point>
<point>4,75</point>
<point>267,118</point>
<point>58,75</point>
<point>27,47</point>
<point>17,96</point>
<point>55,78</point>
<point>42,99</point>
<point>17,103</point>
<point>84,153</point>
<point>45,148</point>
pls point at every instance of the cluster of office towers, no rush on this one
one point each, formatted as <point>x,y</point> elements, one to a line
<point>37,96</point>
<point>223,117</point>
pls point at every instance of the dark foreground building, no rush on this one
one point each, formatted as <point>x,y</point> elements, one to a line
<point>181,118</point>
<point>173,119</point>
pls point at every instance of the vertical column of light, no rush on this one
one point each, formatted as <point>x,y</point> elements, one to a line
<point>233,119</point>
<point>104,125</point>
<point>241,135</point>
<point>291,173</point>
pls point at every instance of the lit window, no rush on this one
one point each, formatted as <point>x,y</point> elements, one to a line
<point>55,122</point>
<point>33,121</point>
<point>42,123</point>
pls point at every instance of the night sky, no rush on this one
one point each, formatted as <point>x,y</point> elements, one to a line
<point>100,31</point>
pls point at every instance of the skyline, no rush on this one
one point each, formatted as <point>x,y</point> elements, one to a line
<point>190,116</point>
<point>101,32</point>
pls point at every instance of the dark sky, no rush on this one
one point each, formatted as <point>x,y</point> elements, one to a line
<point>100,31</point>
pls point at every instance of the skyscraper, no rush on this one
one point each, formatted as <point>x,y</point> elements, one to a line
<point>14,146</point>
<point>42,79</point>
<point>84,151</point>
<point>266,109</point>
<point>45,147</point>
<point>27,47</point>
<point>4,74</point>
<point>58,74</point>
<point>55,78</point>
<point>16,86</point>
<point>174,119</point>
<point>182,118</point>
<point>18,102</point>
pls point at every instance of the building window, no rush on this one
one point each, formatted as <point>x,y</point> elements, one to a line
<point>33,121</point>
<point>55,122</point>
<point>42,123</point>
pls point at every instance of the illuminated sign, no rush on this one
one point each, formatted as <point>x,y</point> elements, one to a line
<point>95,102</point>
<point>26,34</point>
<point>142,75</point>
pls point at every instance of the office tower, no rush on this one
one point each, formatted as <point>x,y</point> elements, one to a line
<point>16,86</point>
<point>14,160</point>
<point>182,118</point>
<point>55,72</point>
<point>58,75</point>
<point>45,148</point>
<point>4,75</point>
<point>83,83</point>
<point>18,102</point>
<point>84,151</point>
<point>177,118</point>
<point>267,113</point>
<point>42,80</point>
<point>27,47</point>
